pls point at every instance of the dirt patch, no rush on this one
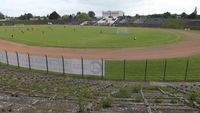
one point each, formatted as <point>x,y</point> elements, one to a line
<point>180,49</point>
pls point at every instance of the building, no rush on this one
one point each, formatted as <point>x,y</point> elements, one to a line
<point>114,14</point>
<point>32,19</point>
<point>37,18</point>
<point>110,17</point>
<point>6,19</point>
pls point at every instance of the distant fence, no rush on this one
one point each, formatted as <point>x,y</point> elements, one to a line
<point>50,64</point>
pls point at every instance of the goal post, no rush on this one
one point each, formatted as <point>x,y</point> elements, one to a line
<point>122,31</point>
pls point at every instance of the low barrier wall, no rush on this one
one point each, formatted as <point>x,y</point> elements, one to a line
<point>50,64</point>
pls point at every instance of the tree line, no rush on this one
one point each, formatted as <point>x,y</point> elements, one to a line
<point>80,15</point>
<point>168,15</point>
<point>54,16</point>
<point>91,15</point>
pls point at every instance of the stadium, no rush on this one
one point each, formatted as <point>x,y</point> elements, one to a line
<point>114,63</point>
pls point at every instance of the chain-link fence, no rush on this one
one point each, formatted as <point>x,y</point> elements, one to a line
<point>177,69</point>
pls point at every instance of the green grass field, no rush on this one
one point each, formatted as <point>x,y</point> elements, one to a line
<point>87,37</point>
<point>135,70</point>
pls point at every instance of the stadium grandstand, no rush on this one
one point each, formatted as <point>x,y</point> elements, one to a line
<point>110,17</point>
<point>194,24</point>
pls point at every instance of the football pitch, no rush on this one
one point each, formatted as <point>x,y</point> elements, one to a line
<point>67,36</point>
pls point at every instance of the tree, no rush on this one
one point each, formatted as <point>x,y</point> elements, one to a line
<point>78,13</point>
<point>137,16</point>
<point>167,15</point>
<point>193,15</point>
<point>82,15</point>
<point>26,16</point>
<point>44,17</point>
<point>54,16</point>
<point>184,15</point>
<point>156,16</point>
<point>65,17</point>
<point>70,16</point>
<point>1,16</point>
<point>91,14</point>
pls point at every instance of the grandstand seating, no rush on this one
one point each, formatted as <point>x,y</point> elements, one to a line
<point>123,21</point>
<point>107,21</point>
<point>153,21</point>
<point>139,21</point>
<point>194,24</point>
<point>120,21</point>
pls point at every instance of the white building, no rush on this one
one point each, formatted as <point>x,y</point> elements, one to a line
<point>113,14</point>
<point>110,17</point>
<point>6,19</point>
<point>37,18</point>
<point>34,18</point>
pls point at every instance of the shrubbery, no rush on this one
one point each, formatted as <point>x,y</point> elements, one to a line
<point>106,102</point>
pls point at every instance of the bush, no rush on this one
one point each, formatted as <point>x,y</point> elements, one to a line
<point>106,102</point>
<point>123,93</point>
<point>174,100</point>
<point>82,99</point>
<point>193,97</point>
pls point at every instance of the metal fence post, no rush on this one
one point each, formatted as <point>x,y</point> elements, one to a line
<point>7,57</point>
<point>186,69</point>
<point>145,74</point>
<point>29,61</point>
<point>63,64</point>
<point>82,68</point>
<point>165,69</point>
<point>17,59</point>
<point>124,77</point>
<point>102,68</point>
<point>47,65</point>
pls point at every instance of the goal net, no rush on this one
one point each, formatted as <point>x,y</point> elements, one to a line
<point>122,31</point>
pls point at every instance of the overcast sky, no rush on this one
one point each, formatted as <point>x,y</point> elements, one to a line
<point>130,7</point>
